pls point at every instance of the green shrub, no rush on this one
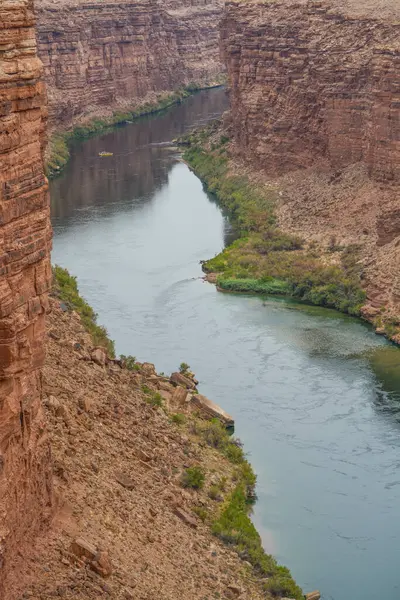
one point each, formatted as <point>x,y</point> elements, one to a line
<point>130,362</point>
<point>66,288</point>
<point>214,492</point>
<point>193,477</point>
<point>152,397</point>
<point>155,399</point>
<point>184,368</point>
<point>178,418</point>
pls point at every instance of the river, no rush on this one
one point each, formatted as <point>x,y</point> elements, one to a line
<point>315,394</point>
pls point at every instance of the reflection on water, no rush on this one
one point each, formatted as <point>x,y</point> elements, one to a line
<point>315,394</point>
<point>140,163</point>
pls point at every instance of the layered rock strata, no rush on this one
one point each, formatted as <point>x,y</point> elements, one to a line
<point>103,56</point>
<point>315,94</point>
<point>25,238</point>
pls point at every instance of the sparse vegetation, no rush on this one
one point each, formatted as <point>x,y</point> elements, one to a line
<point>152,397</point>
<point>193,477</point>
<point>201,512</point>
<point>184,368</point>
<point>264,260</point>
<point>178,418</point>
<point>130,362</point>
<point>65,287</point>
<point>235,528</point>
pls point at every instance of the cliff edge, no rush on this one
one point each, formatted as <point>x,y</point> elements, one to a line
<point>25,274</point>
<point>100,57</point>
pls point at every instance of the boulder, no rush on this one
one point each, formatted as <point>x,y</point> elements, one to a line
<point>316,595</point>
<point>148,369</point>
<point>99,356</point>
<point>83,549</point>
<point>212,410</point>
<point>182,380</point>
<point>125,481</point>
<point>185,517</point>
<point>102,564</point>
<point>180,396</point>
<point>98,559</point>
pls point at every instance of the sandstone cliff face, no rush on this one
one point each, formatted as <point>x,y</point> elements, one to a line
<point>25,237</point>
<point>315,94</point>
<point>101,56</point>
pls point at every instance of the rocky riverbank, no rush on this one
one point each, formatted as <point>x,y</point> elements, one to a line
<point>152,497</point>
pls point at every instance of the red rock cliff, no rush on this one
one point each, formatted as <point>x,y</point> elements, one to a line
<point>101,56</point>
<point>25,238</point>
<point>315,94</point>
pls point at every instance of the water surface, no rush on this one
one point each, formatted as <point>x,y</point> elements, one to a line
<point>315,394</point>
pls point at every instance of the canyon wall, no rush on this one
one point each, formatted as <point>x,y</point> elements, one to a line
<point>104,56</point>
<point>25,274</point>
<point>315,98</point>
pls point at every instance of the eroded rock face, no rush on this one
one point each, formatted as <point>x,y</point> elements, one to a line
<point>315,96</point>
<point>100,57</point>
<point>25,239</point>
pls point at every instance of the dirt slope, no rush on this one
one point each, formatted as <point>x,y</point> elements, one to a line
<point>117,468</point>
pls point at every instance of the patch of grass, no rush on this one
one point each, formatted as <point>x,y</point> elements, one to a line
<point>193,477</point>
<point>65,287</point>
<point>216,436</point>
<point>214,492</point>
<point>254,286</point>
<point>264,260</point>
<point>178,418</point>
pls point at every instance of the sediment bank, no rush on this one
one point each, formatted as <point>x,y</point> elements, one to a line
<point>266,259</point>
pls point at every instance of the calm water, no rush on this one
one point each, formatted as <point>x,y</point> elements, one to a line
<point>315,394</point>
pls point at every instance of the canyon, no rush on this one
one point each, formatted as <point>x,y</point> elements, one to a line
<point>103,57</point>
<point>26,495</point>
<point>315,106</point>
